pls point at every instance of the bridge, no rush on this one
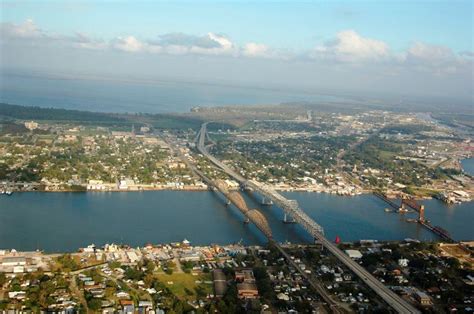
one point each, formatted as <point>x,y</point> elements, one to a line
<point>420,209</point>
<point>316,231</point>
<point>253,215</point>
<point>290,207</point>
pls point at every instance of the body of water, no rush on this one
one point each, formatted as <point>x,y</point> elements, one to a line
<point>67,221</point>
<point>149,97</point>
<point>468,166</point>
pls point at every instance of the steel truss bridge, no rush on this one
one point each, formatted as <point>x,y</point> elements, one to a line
<point>292,208</point>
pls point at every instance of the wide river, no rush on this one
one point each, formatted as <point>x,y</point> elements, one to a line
<point>67,221</point>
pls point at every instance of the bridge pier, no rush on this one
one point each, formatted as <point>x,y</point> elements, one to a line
<point>288,220</point>
<point>266,202</point>
<point>318,244</point>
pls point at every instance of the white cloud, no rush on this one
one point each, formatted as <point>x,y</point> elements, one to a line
<point>436,59</point>
<point>25,30</point>
<point>255,50</point>
<point>349,46</point>
<point>209,44</point>
<point>129,44</point>
<point>82,40</point>
<point>425,52</point>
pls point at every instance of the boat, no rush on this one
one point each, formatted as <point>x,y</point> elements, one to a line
<point>8,192</point>
<point>388,210</point>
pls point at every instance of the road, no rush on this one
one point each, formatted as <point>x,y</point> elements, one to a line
<point>390,297</point>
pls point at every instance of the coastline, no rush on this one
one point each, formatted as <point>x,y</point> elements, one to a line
<point>392,195</point>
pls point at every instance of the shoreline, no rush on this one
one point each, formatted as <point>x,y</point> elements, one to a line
<point>392,196</point>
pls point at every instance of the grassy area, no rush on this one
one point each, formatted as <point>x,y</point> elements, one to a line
<point>420,192</point>
<point>386,155</point>
<point>184,285</point>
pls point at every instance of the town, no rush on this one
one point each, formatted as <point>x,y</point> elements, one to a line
<point>340,153</point>
<point>179,277</point>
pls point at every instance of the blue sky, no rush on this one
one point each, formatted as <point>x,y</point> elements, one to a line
<point>408,47</point>
<point>287,25</point>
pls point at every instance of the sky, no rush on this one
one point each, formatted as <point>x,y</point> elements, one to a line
<point>397,47</point>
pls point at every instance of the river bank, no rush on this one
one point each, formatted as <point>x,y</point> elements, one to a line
<point>198,188</point>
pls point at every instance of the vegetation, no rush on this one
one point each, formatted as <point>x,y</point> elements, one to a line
<point>53,114</point>
<point>283,159</point>
<point>67,263</point>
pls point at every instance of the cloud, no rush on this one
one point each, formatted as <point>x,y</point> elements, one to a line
<point>426,52</point>
<point>82,40</point>
<point>181,39</point>
<point>255,50</point>
<point>178,44</point>
<point>346,50</point>
<point>349,46</point>
<point>25,30</point>
<point>469,54</point>
<point>436,59</point>
<point>128,44</point>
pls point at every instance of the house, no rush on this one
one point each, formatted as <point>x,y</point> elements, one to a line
<point>122,295</point>
<point>127,306</point>
<point>145,306</point>
<point>423,298</point>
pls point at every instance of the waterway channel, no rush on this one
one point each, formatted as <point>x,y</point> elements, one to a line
<point>67,221</point>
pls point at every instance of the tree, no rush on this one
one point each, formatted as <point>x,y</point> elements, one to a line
<point>3,279</point>
<point>94,304</point>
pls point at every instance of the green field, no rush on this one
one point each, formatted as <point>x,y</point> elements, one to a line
<point>184,285</point>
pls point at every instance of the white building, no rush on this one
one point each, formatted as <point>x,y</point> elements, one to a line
<point>31,125</point>
<point>403,262</point>
<point>13,261</point>
<point>354,254</point>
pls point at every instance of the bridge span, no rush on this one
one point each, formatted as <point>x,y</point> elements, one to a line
<point>291,207</point>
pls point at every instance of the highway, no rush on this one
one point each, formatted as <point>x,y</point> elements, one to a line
<point>390,297</point>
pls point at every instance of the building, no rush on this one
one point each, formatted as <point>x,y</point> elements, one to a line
<point>403,262</point>
<point>354,254</point>
<point>125,184</point>
<point>145,306</point>
<point>127,306</point>
<point>245,275</point>
<point>423,298</point>
<point>220,283</point>
<point>247,290</point>
<point>246,287</point>
<point>14,261</point>
<point>31,125</point>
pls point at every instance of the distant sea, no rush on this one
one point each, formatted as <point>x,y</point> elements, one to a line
<point>144,96</point>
